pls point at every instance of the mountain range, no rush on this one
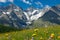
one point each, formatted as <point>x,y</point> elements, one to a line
<point>15,16</point>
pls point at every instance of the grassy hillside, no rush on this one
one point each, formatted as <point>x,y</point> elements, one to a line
<point>41,33</point>
<point>41,23</point>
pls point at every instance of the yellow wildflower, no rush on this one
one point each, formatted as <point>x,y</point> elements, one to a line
<point>36,30</point>
<point>13,39</point>
<point>59,37</point>
<point>52,35</point>
<point>6,34</point>
<point>33,35</point>
<point>41,38</point>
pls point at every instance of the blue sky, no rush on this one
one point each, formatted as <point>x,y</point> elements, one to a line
<point>27,3</point>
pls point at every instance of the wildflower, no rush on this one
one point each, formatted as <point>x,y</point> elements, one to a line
<point>6,35</point>
<point>41,38</point>
<point>13,39</point>
<point>59,37</point>
<point>30,39</point>
<point>52,35</point>
<point>36,30</point>
<point>33,35</point>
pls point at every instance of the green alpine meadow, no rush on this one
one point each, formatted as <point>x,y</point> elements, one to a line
<point>40,33</point>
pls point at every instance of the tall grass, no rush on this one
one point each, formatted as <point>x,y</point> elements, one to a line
<point>43,33</point>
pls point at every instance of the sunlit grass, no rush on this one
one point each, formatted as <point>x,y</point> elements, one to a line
<point>41,33</point>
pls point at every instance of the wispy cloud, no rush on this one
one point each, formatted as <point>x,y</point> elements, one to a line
<point>10,0</point>
<point>39,3</point>
<point>26,1</point>
<point>6,1</point>
<point>3,1</point>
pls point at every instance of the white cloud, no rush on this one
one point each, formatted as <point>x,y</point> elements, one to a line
<point>3,1</point>
<point>6,1</point>
<point>27,2</point>
<point>10,0</point>
<point>39,3</point>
